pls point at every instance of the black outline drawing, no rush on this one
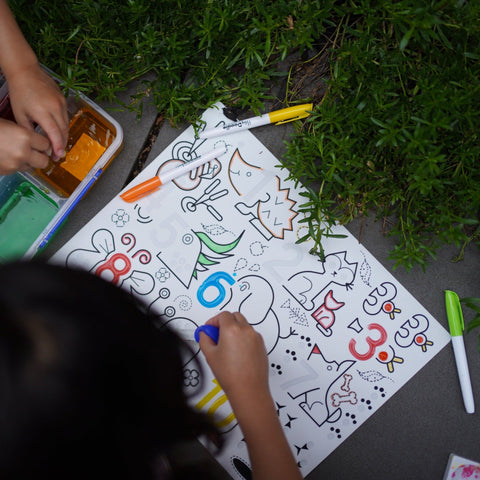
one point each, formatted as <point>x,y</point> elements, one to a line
<point>304,286</point>
<point>261,210</point>
<point>413,332</point>
<point>185,151</point>
<point>104,257</point>
<point>241,467</point>
<point>373,376</point>
<point>142,219</point>
<point>300,318</point>
<point>209,253</point>
<point>253,296</point>
<point>365,271</point>
<point>389,358</point>
<point>325,314</point>
<point>190,204</point>
<point>185,328</point>
<point>313,399</point>
<point>381,299</point>
<point>122,217</point>
<point>249,170</point>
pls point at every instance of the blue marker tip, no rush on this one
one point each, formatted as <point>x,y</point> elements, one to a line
<point>209,330</point>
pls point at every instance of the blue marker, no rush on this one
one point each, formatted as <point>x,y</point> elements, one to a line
<point>210,330</point>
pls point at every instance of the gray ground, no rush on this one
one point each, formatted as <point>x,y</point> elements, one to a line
<point>411,436</point>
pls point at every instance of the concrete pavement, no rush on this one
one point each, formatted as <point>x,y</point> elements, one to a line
<point>412,435</point>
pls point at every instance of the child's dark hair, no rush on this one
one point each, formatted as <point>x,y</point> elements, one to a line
<point>89,387</point>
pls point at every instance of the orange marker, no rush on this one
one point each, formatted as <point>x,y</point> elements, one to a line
<point>154,183</point>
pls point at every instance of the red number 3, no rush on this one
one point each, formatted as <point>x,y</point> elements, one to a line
<point>372,344</point>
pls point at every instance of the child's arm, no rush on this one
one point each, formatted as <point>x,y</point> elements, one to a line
<point>35,98</point>
<point>240,364</point>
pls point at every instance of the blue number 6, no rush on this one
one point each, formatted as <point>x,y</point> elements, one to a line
<point>214,281</point>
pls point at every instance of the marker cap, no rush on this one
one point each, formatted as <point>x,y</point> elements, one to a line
<point>210,330</point>
<point>141,189</point>
<point>290,114</point>
<point>454,313</point>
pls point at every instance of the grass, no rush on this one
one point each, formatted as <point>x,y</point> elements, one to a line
<point>199,51</point>
<point>394,132</point>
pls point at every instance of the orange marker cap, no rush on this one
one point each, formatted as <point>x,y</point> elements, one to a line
<point>141,189</point>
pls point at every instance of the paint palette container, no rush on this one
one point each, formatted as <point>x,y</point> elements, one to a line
<point>89,137</point>
<point>34,204</point>
<point>25,210</point>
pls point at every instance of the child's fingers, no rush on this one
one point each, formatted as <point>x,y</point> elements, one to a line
<point>38,160</point>
<point>56,133</point>
<point>239,318</point>
<point>215,320</point>
<point>223,321</point>
<point>205,342</point>
<point>41,150</point>
<point>40,143</point>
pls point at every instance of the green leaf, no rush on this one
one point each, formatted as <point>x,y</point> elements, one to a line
<point>472,324</point>
<point>406,38</point>
<point>471,302</point>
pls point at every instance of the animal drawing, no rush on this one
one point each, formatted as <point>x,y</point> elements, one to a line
<point>306,286</point>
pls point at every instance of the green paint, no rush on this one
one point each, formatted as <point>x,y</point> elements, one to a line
<point>217,247</point>
<point>23,216</point>
<point>203,260</point>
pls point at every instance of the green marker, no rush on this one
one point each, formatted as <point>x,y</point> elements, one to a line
<point>456,325</point>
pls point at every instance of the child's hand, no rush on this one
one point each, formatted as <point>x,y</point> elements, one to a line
<point>21,149</point>
<point>36,98</point>
<point>239,360</point>
<point>240,364</point>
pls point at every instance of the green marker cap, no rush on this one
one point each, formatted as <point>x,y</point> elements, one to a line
<point>454,313</point>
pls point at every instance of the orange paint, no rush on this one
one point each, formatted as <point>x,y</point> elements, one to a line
<point>420,339</point>
<point>83,156</point>
<point>88,138</point>
<point>383,356</point>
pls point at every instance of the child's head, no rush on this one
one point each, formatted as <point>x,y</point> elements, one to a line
<point>89,387</point>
